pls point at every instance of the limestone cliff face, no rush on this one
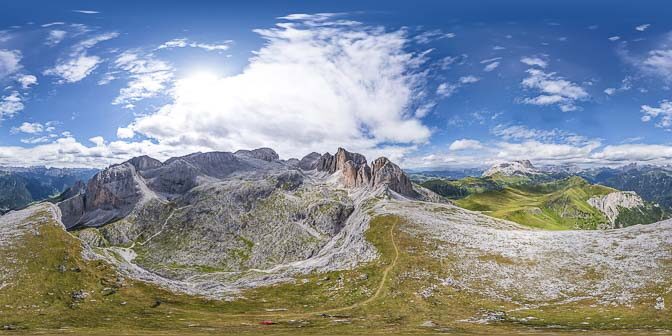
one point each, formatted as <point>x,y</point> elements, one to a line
<point>357,173</point>
<point>333,163</point>
<point>387,173</point>
<point>611,203</point>
<point>111,194</point>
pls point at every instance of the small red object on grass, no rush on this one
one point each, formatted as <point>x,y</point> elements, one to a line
<point>267,322</point>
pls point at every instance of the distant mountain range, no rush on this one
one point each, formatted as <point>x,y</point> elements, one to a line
<point>554,198</point>
<point>652,183</point>
<point>20,186</point>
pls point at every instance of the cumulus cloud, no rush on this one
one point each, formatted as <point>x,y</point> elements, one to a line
<point>658,154</point>
<point>148,77</point>
<point>125,133</point>
<point>183,43</point>
<point>614,38</point>
<point>464,144</point>
<point>10,105</point>
<point>662,113</point>
<point>553,90</point>
<point>446,89</point>
<point>55,37</point>
<point>534,61</point>
<point>79,64</point>
<point>658,63</point>
<point>26,81</point>
<point>29,128</point>
<point>312,87</point>
<point>74,69</point>
<point>10,62</point>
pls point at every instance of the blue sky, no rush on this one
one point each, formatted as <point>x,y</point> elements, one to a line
<point>429,84</point>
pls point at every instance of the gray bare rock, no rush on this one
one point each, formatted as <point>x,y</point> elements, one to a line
<point>310,161</point>
<point>219,216</point>
<point>385,172</point>
<point>145,162</point>
<point>265,154</point>
<point>333,163</point>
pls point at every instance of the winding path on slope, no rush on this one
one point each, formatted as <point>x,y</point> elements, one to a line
<point>379,290</point>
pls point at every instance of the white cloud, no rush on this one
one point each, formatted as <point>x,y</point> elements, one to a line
<point>98,141</point>
<point>658,63</point>
<point>10,105</point>
<point>125,133</point>
<point>432,35</point>
<point>446,89</point>
<point>553,90</point>
<point>79,64</point>
<point>490,67</point>
<point>626,84</point>
<point>10,62</point>
<point>469,79</point>
<point>614,38</point>
<point>26,81</point>
<point>663,113</point>
<point>183,43</point>
<point>90,42</point>
<point>58,23</point>
<point>74,69</point>
<point>464,144</point>
<point>636,152</point>
<point>534,61</point>
<point>490,60</point>
<point>311,87</point>
<point>148,77</point>
<point>521,132</point>
<point>55,37</point>
<point>82,11</point>
<point>30,128</point>
<point>642,27</point>
<point>36,140</point>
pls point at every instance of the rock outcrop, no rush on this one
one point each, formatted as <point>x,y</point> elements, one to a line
<point>310,161</point>
<point>357,173</point>
<point>514,168</point>
<point>611,204</point>
<point>387,173</point>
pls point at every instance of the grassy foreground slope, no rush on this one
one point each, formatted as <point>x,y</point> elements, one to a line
<point>52,289</point>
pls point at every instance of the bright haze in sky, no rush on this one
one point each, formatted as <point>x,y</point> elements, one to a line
<point>428,84</point>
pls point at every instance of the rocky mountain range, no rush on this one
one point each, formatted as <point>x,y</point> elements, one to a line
<point>513,168</point>
<point>243,240</point>
<point>231,212</point>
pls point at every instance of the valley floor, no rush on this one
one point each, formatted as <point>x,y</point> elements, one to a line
<point>421,283</point>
